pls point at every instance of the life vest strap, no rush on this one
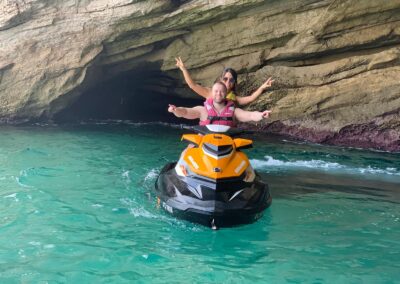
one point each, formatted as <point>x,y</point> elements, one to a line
<point>218,118</point>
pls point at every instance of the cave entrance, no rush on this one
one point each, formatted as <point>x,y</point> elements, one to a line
<point>138,96</point>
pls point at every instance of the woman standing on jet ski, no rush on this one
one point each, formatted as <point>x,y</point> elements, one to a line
<point>229,78</point>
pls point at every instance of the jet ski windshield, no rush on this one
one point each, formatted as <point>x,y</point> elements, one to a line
<point>218,128</point>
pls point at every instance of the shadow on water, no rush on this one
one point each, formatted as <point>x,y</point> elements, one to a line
<point>293,184</point>
<point>293,168</point>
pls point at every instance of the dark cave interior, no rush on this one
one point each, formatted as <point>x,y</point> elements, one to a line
<point>137,96</point>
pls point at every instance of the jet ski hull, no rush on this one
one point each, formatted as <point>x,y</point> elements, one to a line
<point>220,203</point>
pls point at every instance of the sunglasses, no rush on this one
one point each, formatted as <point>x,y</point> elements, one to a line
<point>231,80</point>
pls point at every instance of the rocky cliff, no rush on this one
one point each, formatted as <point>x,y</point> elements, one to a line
<point>336,63</point>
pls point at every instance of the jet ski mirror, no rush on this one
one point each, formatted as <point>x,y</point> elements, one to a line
<point>193,138</point>
<point>241,143</point>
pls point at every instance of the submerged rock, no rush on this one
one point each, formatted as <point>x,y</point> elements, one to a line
<point>336,63</point>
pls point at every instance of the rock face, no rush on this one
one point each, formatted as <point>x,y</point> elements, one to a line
<point>336,63</point>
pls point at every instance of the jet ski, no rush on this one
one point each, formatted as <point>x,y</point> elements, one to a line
<point>213,182</point>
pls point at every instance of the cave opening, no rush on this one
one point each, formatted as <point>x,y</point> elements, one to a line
<point>136,95</point>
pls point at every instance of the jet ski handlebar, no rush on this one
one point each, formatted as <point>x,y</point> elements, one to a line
<point>209,129</point>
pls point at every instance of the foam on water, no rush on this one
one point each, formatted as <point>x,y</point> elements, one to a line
<point>137,209</point>
<point>13,196</point>
<point>152,175</point>
<point>271,164</point>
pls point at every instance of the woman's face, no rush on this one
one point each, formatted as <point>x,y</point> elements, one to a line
<point>229,81</point>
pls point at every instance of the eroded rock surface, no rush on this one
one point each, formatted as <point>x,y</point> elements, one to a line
<point>336,63</point>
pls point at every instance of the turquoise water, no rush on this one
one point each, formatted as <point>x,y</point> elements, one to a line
<point>77,206</point>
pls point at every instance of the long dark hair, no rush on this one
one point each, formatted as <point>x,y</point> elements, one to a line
<point>234,75</point>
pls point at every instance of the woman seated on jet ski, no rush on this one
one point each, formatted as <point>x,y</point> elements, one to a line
<point>218,110</point>
<point>229,78</point>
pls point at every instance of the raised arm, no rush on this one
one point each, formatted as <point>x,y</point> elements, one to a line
<point>248,99</point>
<point>246,116</point>
<point>185,112</point>
<point>202,91</point>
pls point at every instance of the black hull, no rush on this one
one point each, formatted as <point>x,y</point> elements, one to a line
<point>224,203</point>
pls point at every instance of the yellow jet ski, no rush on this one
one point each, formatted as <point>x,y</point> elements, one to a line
<point>213,182</point>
